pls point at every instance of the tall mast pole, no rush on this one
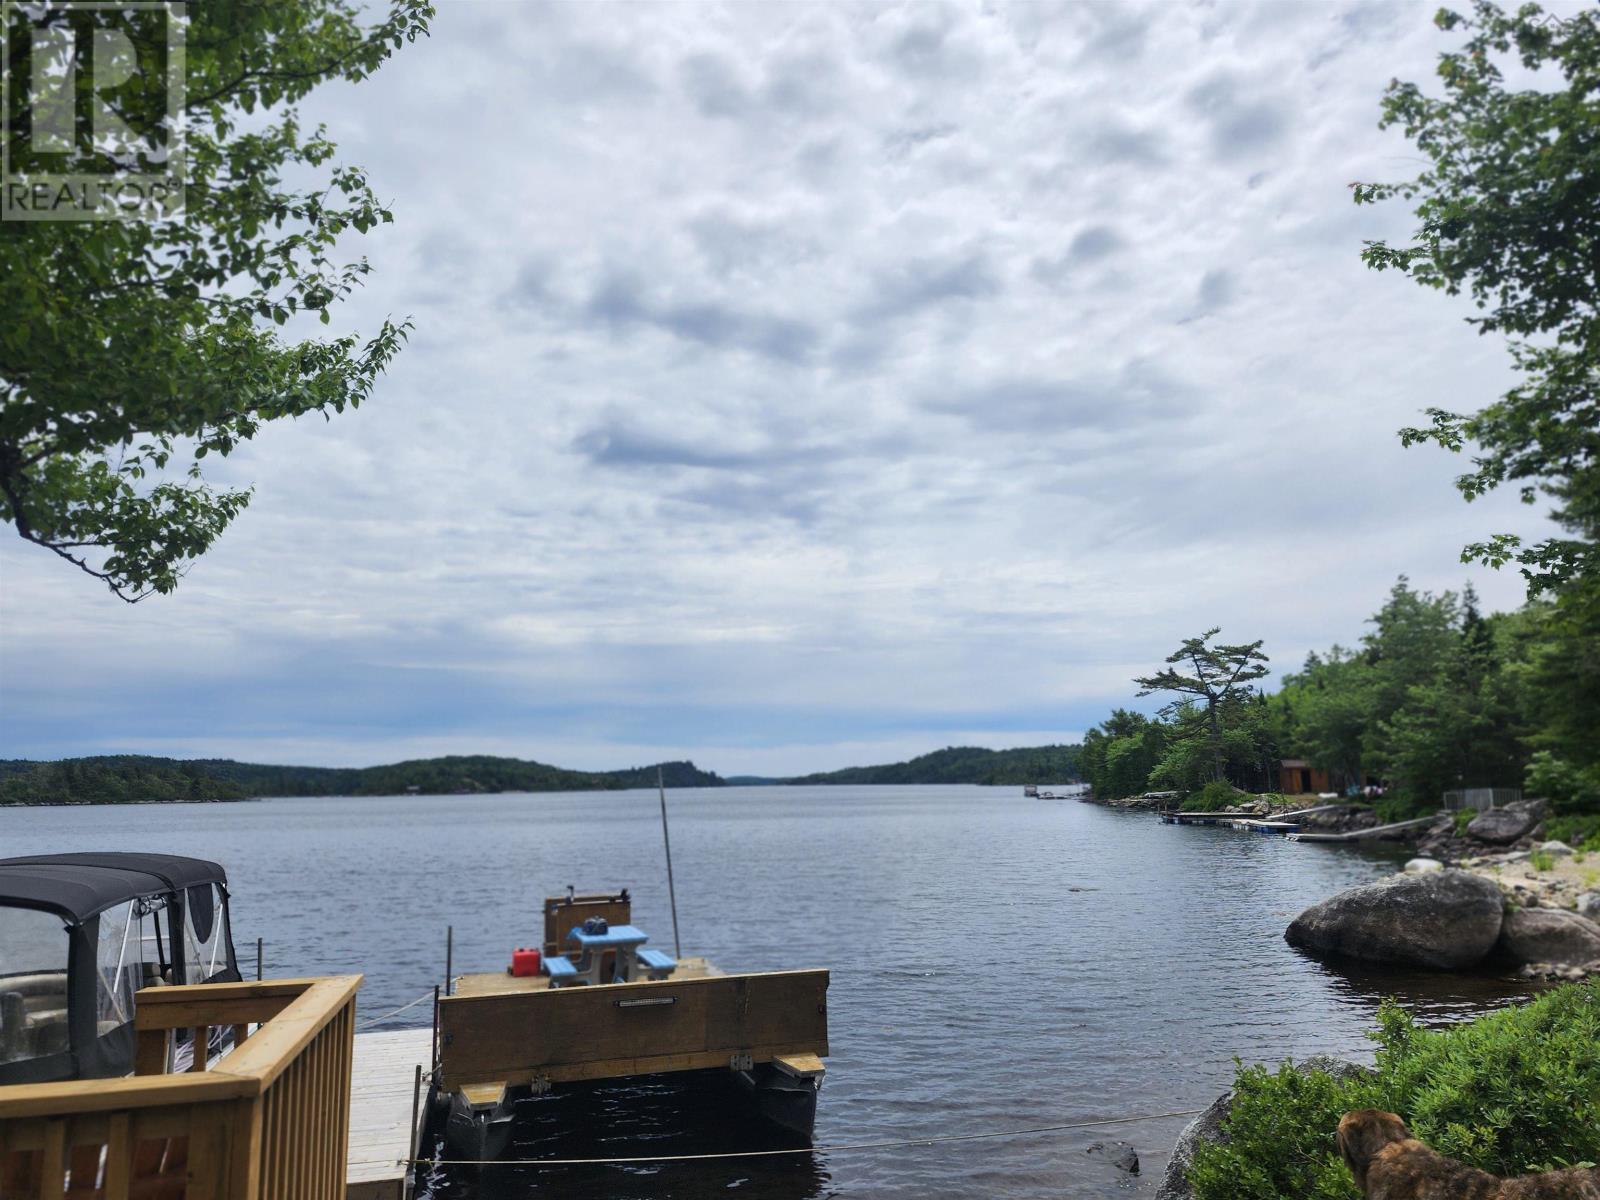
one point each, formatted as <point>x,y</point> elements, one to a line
<point>666,838</point>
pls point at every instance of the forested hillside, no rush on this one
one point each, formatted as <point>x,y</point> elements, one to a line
<point>965,764</point>
<point>131,779</point>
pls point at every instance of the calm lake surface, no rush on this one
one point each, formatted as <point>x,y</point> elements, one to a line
<point>997,962</point>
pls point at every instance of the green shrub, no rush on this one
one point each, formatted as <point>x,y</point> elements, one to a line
<point>1399,807</point>
<point>1214,797</point>
<point>1581,831</point>
<point>1541,860</point>
<point>1515,1091</point>
<point>1570,788</point>
<point>1463,818</point>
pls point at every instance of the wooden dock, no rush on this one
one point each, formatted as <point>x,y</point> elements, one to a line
<point>1284,823</point>
<point>1363,835</point>
<point>381,1087</point>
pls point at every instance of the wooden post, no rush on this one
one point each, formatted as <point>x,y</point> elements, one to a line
<point>411,1153</point>
<point>258,959</point>
<point>449,955</point>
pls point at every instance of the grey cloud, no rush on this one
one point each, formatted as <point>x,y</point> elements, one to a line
<point>1112,141</point>
<point>717,325</point>
<point>620,302</point>
<point>731,243</point>
<point>713,83</point>
<point>531,286</point>
<point>616,301</point>
<point>911,286</point>
<point>1139,392</point>
<point>1240,125</point>
<point>755,496</point>
<point>1094,243</point>
<point>614,445</point>
<point>1120,34</point>
<point>1090,245</point>
<point>803,84</point>
<point>1215,292</point>
<point>902,142</point>
<point>796,85</point>
<point>1217,288</point>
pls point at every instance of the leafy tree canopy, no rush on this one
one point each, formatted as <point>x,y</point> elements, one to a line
<point>130,351</point>
<point>1509,212</point>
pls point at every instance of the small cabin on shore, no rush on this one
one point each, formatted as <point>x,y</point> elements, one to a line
<point>1297,777</point>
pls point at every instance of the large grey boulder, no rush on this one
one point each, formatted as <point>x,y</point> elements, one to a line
<point>1549,935</point>
<point>1207,1127</point>
<point>1502,826</point>
<point>1444,920</point>
<point>1589,905</point>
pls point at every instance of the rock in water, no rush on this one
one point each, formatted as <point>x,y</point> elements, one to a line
<point>1549,935</point>
<point>1122,1155</point>
<point>1443,919</point>
<point>1502,826</point>
<point>1423,866</point>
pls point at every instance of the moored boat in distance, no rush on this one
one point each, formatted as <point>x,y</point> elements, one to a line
<point>1070,791</point>
<point>596,1002</point>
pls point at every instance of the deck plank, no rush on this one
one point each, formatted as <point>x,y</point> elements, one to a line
<point>382,1078</point>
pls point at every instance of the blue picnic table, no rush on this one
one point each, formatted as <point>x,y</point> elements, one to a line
<point>624,939</point>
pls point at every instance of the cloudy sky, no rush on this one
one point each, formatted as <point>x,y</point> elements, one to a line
<point>796,386</point>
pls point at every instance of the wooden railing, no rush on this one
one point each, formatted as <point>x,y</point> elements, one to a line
<point>268,1120</point>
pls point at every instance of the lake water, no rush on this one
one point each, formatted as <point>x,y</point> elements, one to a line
<point>997,962</point>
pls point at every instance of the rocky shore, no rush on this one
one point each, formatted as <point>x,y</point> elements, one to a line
<point>1489,893</point>
<point>1504,845</point>
<point>1448,919</point>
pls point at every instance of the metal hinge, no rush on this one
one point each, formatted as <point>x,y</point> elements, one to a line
<point>740,1062</point>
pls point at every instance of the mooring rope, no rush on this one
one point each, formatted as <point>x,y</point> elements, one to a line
<point>365,1021</point>
<point>933,1140</point>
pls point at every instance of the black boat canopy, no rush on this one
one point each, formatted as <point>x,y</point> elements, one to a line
<point>77,886</point>
<point>80,934</point>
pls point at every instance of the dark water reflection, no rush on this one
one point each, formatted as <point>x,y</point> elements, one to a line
<point>997,962</point>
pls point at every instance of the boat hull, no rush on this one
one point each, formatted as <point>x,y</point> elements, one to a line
<point>475,1133</point>
<point>788,1101</point>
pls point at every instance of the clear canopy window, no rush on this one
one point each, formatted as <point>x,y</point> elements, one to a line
<point>119,965</point>
<point>205,947</point>
<point>33,984</point>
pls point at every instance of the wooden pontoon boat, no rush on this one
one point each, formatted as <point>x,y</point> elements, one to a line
<point>605,1005</point>
<point>80,934</point>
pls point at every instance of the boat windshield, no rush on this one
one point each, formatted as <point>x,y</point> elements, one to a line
<point>33,984</point>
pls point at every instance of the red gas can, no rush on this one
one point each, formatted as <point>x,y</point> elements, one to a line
<point>525,961</point>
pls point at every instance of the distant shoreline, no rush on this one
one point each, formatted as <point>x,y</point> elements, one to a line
<point>775,785</point>
<point>145,779</point>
